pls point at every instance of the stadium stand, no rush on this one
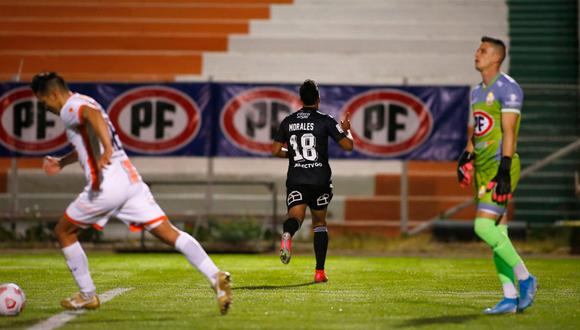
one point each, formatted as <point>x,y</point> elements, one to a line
<point>544,59</point>
<point>332,41</point>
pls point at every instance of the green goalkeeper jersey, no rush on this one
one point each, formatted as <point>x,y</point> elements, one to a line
<point>503,95</point>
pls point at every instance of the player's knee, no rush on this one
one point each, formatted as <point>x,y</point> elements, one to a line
<point>485,229</point>
<point>60,230</point>
<point>318,223</point>
<point>65,232</point>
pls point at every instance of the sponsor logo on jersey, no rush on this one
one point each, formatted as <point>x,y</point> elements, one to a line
<point>483,123</point>
<point>489,99</point>
<point>251,119</point>
<point>513,101</point>
<point>155,119</point>
<point>26,127</point>
<point>303,115</point>
<point>388,122</point>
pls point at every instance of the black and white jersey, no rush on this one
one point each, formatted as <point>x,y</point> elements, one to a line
<point>306,133</point>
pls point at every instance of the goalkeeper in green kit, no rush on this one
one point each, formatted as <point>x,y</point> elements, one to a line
<point>491,164</point>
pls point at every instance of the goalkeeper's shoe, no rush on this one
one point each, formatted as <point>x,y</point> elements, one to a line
<point>320,276</point>
<point>79,301</point>
<point>285,248</point>
<point>223,290</point>
<point>505,306</point>
<point>528,289</point>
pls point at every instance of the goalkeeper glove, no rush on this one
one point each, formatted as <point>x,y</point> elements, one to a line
<point>465,169</point>
<point>501,183</point>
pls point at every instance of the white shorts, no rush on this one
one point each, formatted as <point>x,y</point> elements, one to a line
<point>123,195</point>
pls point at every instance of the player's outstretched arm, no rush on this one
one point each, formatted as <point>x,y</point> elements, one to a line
<point>95,119</point>
<point>53,165</point>
<point>278,150</point>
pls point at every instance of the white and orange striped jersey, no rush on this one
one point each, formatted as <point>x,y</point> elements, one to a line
<point>83,138</point>
<point>118,190</point>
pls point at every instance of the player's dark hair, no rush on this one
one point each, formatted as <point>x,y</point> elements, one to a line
<point>497,44</point>
<point>44,82</point>
<point>309,92</point>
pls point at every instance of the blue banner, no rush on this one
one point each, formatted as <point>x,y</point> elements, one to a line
<point>421,123</point>
<point>221,119</point>
<point>168,119</point>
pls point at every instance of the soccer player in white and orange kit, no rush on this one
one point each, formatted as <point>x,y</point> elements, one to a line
<point>114,188</point>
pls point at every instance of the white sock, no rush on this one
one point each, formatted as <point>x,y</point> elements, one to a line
<point>196,256</point>
<point>521,271</point>
<point>77,262</point>
<point>509,291</point>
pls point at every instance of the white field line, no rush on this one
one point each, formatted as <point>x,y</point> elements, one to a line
<point>60,319</point>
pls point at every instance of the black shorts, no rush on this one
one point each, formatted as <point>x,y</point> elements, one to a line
<point>316,197</point>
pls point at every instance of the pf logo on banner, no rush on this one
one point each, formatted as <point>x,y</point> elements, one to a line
<point>251,119</point>
<point>155,119</point>
<point>26,127</point>
<point>388,122</point>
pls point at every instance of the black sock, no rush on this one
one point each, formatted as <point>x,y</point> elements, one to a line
<point>320,246</point>
<point>291,225</point>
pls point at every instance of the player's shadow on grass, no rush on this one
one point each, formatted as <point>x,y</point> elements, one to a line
<point>272,287</point>
<point>447,319</point>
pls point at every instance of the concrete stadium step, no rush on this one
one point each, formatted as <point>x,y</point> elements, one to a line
<point>86,41</point>
<point>399,2</point>
<point>538,151</point>
<point>548,129</point>
<point>387,11</point>
<point>564,165</point>
<point>388,29</point>
<point>400,45</point>
<point>380,68</point>
<point>131,10</point>
<point>526,189</point>
<point>550,93</point>
<point>388,207</point>
<point>547,59</point>
<point>560,71</point>
<point>422,185</point>
<point>161,2</point>
<point>554,203</point>
<point>545,177</point>
<point>122,25</point>
<point>558,119</point>
<point>122,65</point>
<point>563,104</point>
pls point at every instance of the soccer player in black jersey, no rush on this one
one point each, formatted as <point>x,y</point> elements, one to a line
<point>309,183</point>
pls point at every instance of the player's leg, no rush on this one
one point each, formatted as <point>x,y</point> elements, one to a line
<point>489,212</point>
<point>486,229</point>
<point>296,203</point>
<point>76,260</point>
<point>140,211</point>
<point>291,225</point>
<point>505,272</point>
<point>198,258</point>
<point>320,243</point>
<point>507,279</point>
<point>189,247</point>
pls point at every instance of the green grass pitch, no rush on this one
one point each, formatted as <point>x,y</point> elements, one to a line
<point>363,293</point>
